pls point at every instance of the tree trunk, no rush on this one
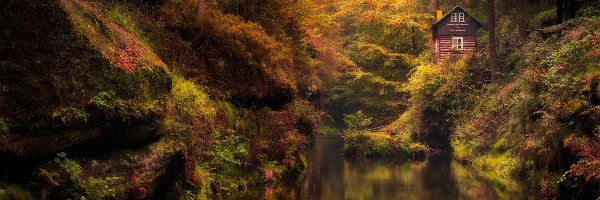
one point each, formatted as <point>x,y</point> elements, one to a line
<point>200,23</point>
<point>492,46</point>
<point>436,7</point>
<point>414,39</point>
<point>559,11</point>
<point>522,21</point>
<point>201,11</point>
<point>567,10</point>
<point>572,9</point>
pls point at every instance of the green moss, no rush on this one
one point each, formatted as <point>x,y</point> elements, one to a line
<point>4,125</point>
<point>121,17</point>
<point>190,99</point>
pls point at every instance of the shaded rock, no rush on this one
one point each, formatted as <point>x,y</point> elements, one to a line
<point>150,171</point>
<point>21,151</point>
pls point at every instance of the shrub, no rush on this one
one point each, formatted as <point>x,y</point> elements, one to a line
<point>418,150</point>
<point>74,184</point>
<point>70,115</point>
<point>357,122</point>
<point>588,151</point>
<point>227,149</point>
<point>368,144</point>
<point>506,164</point>
<point>98,188</point>
<point>71,167</point>
<point>327,130</point>
<point>3,194</point>
<point>368,92</point>
<point>113,107</point>
<point>189,100</point>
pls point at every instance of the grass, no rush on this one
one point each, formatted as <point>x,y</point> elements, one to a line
<point>327,130</point>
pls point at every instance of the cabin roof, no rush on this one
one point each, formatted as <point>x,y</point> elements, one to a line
<point>451,11</point>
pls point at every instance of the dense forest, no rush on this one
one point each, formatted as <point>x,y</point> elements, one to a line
<point>199,99</point>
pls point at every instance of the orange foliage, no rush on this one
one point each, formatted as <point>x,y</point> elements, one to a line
<point>128,58</point>
<point>588,151</point>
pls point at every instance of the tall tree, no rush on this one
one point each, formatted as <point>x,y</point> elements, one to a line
<point>560,5</point>
<point>572,8</point>
<point>436,7</point>
<point>522,21</point>
<point>492,46</point>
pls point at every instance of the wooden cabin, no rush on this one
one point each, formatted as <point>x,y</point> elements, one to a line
<point>455,33</point>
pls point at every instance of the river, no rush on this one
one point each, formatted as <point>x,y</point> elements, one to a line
<point>331,176</point>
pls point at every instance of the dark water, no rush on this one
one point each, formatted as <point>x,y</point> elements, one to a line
<point>331,176</point>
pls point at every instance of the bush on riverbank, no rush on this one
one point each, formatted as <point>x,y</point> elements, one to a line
<point>365,143</point>
<point>381,144</point>
<point>542,122</point>
<point>371,144</point>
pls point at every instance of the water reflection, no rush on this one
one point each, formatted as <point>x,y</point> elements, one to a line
<point>330,176</point>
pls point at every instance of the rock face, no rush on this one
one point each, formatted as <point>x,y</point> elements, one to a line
<point>56,61</point>
<point>88,109</point>
<point>146,172</point>
<point>73,81</point>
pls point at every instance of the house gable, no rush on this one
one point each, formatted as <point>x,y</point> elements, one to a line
<point>457,22</point>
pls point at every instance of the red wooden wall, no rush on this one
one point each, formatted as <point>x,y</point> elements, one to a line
<point>444,46</point>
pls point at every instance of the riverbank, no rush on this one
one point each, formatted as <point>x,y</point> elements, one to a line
<point>331,175</point>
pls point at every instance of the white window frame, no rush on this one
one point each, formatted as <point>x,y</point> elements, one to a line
<point>453,17</point>
<point>458,43</point>
<point>461,17</point>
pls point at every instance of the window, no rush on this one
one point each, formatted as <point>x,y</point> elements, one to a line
<point>461,17</point>
<point>457,17</point>
<point>457,43</point>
